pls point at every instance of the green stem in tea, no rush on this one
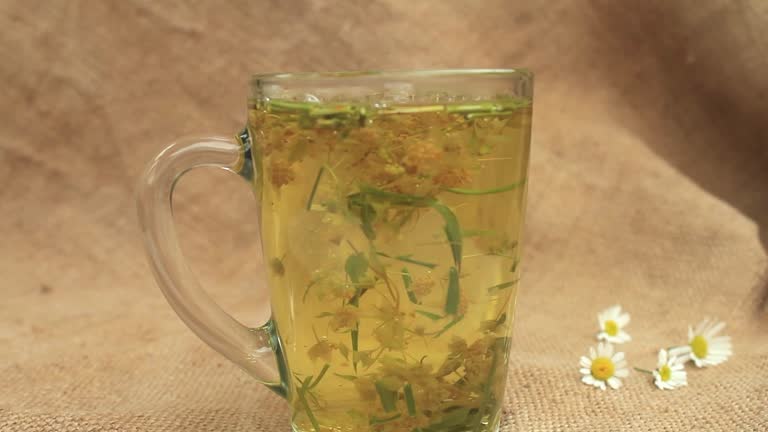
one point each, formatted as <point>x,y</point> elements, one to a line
<point>377,421</point>
<point>496,190</point>
<point>303,400</point>
<point>453,296</point>
<point>355,335</point>
<point>448,326</point>
<point>501,286</point>
<point>314,188</point>
<point>645,371</point>
<point>430,315</point>
<point>289,106</point>
<point>489,382</point>
<point>409,260</point>
<point>319,376</point>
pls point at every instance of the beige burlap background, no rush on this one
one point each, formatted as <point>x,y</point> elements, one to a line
<point>649,187</point>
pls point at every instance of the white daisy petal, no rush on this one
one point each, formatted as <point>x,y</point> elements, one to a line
<point>715,329</point>
<point>585,362</point>
<point>622,320</point>
<point>619,356</point>
<point>662,357</point>
<point>614,382</point>
<point>621,373</point>
<point>592,353</point>
<point>702,326</point>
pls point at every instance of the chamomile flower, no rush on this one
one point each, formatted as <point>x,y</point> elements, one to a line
<point>603,367</point>
<point>612,323</point>
<point>705,347</point>
<point>670,372</point>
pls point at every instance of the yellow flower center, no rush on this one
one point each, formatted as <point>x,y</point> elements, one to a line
<point>611,328</point>
<point>699,347</point>
<point>665,373</point>
<point>602,368</point>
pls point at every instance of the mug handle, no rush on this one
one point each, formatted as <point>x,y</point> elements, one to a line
<point>256,350</point>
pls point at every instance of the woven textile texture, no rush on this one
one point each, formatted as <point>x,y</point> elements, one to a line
<point>648,188</point>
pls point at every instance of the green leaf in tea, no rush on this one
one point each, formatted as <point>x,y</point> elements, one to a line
<point>358,204</point>
<point>410,401</point>
<point>452,231</point>
<point>356,266</point>
<point>346,377</point>
<point>386,396</point>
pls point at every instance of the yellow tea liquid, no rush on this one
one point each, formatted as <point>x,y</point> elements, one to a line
<point>392,238</point>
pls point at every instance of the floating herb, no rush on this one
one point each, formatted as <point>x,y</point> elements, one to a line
<point>496,190</point>
<point>409,260</point>
<point>407,281</point>
<point>453,296</point>
<point>394,198</point>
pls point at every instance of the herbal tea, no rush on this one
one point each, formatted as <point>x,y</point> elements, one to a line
<point>392,237</point>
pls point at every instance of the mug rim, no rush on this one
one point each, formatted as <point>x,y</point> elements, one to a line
<point>392,74</point>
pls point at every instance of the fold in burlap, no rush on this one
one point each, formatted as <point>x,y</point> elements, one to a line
<point>648,187</point>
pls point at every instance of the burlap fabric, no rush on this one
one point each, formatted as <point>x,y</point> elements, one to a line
<point>649,187</point>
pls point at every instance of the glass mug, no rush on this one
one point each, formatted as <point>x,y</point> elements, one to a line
<point>390,214</point>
